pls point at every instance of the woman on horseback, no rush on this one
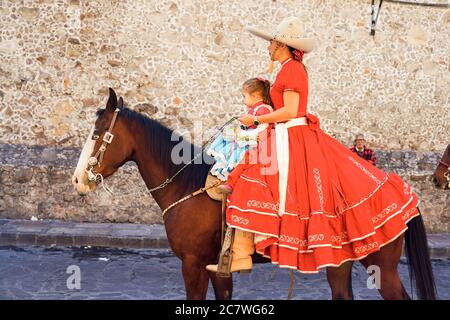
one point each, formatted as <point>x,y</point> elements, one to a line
<point>322,205</point>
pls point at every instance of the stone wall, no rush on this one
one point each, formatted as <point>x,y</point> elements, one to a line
<point>183,63</point>
<point>35,181</point>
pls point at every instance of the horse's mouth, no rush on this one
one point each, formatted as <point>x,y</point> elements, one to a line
<point>84,189</point>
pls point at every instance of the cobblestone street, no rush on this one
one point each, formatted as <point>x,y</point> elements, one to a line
<point>31,272</point>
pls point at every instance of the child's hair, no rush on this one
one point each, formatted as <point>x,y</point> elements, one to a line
<point>258,85</point>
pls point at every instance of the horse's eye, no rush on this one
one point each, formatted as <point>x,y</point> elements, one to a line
<point>95,135</point>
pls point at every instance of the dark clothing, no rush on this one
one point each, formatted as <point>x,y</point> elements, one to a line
<point>367,154</point>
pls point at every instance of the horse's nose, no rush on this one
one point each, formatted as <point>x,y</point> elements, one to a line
<point>75,181</point>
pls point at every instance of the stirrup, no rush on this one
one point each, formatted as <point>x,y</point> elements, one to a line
<point>225,257</point>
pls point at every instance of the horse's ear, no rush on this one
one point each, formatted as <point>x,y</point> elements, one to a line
<point>112,101</point>
<point>120,103</point>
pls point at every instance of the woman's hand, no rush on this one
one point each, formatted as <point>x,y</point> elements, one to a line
<point>247,120</point>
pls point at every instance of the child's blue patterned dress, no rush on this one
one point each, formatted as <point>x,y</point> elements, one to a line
<point>229,148</point>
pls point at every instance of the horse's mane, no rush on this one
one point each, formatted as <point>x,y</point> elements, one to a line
<point>158,140</point>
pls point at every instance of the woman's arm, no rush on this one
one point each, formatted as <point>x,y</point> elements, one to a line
<point>289,111</point>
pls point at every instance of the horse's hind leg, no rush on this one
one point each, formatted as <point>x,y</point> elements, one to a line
<point>340,280</point>
<point>387,259</point>
<point>196,278</point>
<point>223,287</point>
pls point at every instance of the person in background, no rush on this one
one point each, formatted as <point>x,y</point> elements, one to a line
<point>361,150</point>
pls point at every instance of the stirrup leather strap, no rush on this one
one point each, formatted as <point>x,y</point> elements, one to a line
<point>225,257</point>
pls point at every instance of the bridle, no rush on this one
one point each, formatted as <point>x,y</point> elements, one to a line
<point>98,157</point>
<point>107,139</point>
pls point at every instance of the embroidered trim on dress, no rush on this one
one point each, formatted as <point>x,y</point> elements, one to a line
<point>406,215</point>
<point>360,166</point>
<point>366,247</point>
<point>254,211</point>
<point>397,213</point>
<point>254,180</point>
<point>384,212</point>
<point>406,188</point>
<point>364,199</point>
<point>332,264</point>
<point>318,181</point>
<point>239,220</point>
<point>329,214</point>
<point>262,205</point>
<point>344,235</point>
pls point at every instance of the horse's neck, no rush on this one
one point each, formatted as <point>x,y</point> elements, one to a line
<point>154,173</point>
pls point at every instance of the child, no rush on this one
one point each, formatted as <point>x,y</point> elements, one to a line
<point>229,148</point>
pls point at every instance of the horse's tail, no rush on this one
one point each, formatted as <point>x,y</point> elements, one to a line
<point>418,256</point>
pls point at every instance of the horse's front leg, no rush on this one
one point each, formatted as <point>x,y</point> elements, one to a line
<point>196,278</point>
<point>340,281</point>
<point>223,287</point>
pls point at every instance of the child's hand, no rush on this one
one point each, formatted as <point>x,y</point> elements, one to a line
<point>247,120</point>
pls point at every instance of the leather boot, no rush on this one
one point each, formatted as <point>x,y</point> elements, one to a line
<point>242,249</point>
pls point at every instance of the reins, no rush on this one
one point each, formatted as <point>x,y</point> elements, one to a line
<point>169,180</point>
<point>107,139</point>
<point>193,194</point>
<point>200,190</point>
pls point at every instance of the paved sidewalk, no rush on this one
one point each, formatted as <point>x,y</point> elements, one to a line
<point>50,232</point>
<point>122,235</point>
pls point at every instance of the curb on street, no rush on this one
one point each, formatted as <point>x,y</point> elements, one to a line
<point>123,235</point>
<point>58,233</point>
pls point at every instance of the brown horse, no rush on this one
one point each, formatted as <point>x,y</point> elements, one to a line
<point>441,175</point>
<point>194,227</point>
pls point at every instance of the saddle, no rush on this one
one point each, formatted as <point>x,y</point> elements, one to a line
<point>213,192</point>
<point>227,234</point>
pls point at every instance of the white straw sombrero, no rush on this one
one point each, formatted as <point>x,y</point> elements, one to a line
<point>287,32</point>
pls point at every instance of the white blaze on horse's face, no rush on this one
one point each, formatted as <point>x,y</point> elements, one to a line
<point>80,177</point>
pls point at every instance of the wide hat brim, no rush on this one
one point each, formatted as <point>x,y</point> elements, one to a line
<point>303,44</point>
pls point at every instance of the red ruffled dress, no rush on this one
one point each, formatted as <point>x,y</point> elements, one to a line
<point>338,206</point>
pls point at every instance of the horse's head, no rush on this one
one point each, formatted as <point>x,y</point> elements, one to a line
<point>441,176</point>
<point>107,147</point>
